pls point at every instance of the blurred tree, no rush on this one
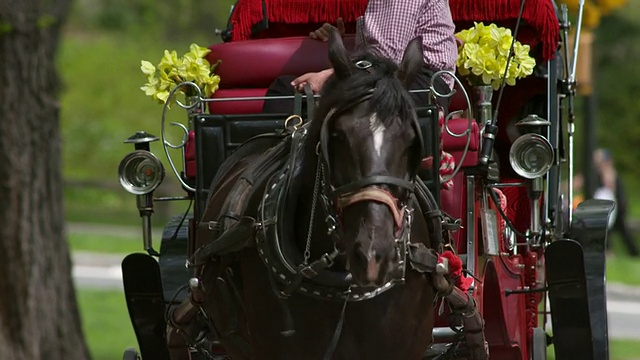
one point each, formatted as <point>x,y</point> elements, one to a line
<point>174,19</point>
<point>38,310</point>
<point>618,79</point>
<point>594,12</point>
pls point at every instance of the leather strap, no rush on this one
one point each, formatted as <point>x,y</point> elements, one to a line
<point>311,102</point>
<point>297,104</point>
<point>422,259</point>
<point>233,239</point>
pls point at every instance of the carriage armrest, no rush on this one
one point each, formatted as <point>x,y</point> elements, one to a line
<point>457,145</point>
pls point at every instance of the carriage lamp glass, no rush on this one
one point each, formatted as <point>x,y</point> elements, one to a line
<point>140,172</point>
<point>531,156</point>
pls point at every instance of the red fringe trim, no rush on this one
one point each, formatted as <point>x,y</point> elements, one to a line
<point>539,14</point>
<point>247,13</point>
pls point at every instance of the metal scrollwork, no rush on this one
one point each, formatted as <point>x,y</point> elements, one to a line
<point>467,132</point>
<point>190,107</point>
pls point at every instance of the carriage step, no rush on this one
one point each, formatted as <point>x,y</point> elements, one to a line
<point>445,335</point>
<point>145,302</point>
<point>447,351</point>
<point>447,344</point>
<point>437,352</point>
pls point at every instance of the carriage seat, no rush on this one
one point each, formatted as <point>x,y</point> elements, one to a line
<point>248,67</point>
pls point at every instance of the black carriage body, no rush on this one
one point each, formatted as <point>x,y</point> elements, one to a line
<point>218,136</point>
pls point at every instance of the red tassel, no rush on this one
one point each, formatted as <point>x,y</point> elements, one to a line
<point>455,270</point>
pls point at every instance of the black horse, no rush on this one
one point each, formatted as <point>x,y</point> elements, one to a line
<point>321,250</point>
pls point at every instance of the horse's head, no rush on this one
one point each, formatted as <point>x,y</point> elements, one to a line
<point>370,145</point>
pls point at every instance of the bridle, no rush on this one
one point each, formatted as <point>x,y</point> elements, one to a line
<point>368,188</point>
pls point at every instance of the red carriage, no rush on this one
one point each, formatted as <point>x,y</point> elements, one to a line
<point>506,220</point>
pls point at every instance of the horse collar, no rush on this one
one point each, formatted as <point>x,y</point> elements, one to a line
<point>284,260</point>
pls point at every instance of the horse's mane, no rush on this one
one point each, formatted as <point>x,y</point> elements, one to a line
<point>389,98</point>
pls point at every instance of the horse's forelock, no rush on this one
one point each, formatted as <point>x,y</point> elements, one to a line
<point>389,99</point>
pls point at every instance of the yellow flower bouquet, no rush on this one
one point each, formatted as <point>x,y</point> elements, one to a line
<point>173,70</point>
<point>482,57</point>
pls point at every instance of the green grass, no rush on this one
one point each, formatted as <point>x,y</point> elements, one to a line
<point>618,350</point>
<point>621,268</point>
<point>102,105</point>
<point>108,330</point>
<point>115,206</point>
<point>624,350</point>
<point>112,244</point>
<point>106,323</point>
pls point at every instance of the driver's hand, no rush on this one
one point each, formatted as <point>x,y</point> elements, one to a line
<point>323,32</point>
<point>315,79</point>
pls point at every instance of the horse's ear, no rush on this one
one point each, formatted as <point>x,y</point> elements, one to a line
<point>338,55</point>
<point>412,62</point>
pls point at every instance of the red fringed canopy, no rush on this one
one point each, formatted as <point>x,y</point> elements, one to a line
<point>248,13</point>
<point>538,14</point>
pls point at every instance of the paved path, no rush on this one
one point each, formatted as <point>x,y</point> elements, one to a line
<point>97,271</point>
<point>623,306</point>
<point>134,230</point>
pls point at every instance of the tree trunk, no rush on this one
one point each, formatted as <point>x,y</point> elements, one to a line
<point>39,316</point>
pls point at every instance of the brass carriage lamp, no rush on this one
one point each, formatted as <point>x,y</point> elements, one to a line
<point>531,156</point>
<point>140,173</point>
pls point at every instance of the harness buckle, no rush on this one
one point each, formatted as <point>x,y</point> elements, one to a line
<point>325,261</point>
<point>293,122</point>
<point>332,224</point>
<point>308,272</point>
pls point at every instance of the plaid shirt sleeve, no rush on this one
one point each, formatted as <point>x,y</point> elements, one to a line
<point>388,25</point>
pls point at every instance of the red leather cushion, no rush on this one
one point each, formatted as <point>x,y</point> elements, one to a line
<point>458,100</point>
<point>239,106</point>
<point>190,156</point>
<point>456,145</point>
<point>256,63</point>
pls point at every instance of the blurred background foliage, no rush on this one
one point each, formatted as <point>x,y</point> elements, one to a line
<point>102,104</point>
<point>616,80</point>
<point>167,20</point>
